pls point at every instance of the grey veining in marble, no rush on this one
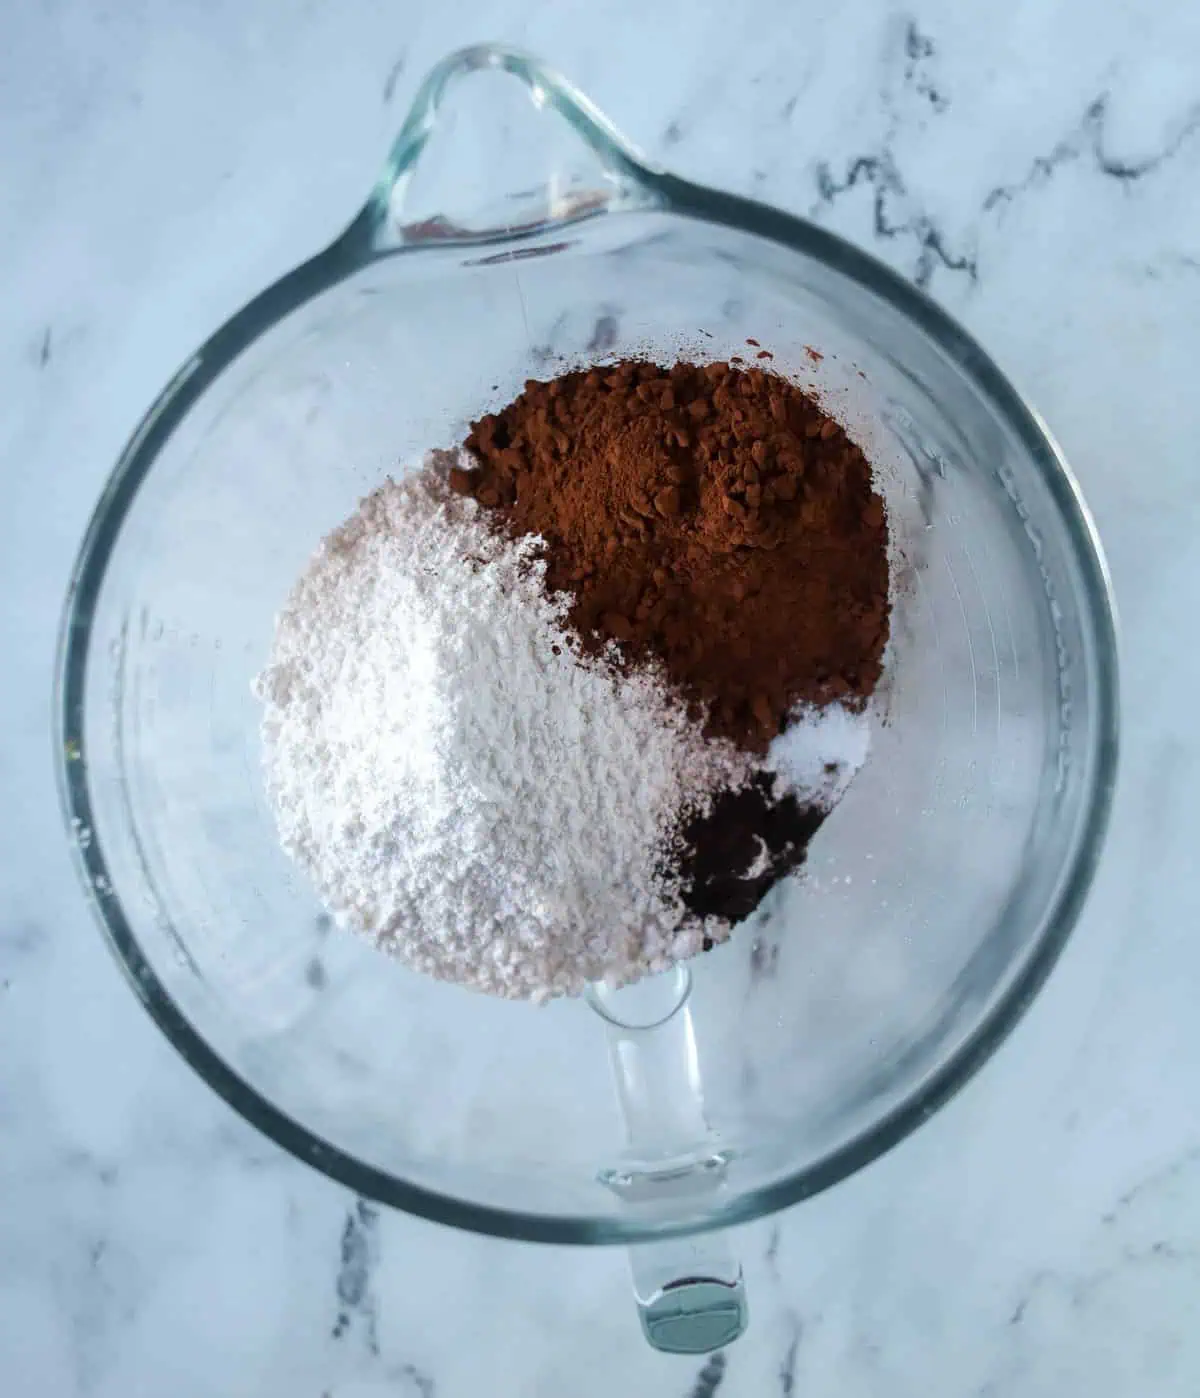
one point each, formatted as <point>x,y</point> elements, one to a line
<point>1036,167</point>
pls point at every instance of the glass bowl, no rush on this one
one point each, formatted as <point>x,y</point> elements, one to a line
<point>509,238</point>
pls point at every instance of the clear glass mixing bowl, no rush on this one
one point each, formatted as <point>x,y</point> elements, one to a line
<point>937,896</point>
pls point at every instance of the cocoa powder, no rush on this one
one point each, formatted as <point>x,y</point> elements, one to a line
<point>712,518</point>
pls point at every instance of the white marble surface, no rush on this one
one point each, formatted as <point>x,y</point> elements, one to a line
<point>1037,166</point>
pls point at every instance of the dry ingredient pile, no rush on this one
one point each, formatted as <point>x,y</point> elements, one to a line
<point>563,705</point>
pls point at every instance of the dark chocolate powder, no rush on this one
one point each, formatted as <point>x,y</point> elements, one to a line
<point>755,827</point>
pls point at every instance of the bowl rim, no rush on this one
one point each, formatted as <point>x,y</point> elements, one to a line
<point>345,256</point>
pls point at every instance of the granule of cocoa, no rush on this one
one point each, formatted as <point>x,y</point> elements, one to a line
<point>712,518</point>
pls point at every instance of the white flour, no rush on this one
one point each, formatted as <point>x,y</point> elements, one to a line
<point>458,783</point>
<point>467,790</point>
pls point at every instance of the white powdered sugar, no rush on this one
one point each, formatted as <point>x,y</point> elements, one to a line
<point>458,781</point>
<point>820,752</point>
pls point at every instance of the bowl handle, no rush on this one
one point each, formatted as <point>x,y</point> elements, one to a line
<point>464,191</point>
<point>689,1291</point>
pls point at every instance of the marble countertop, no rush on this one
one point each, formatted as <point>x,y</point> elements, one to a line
<point>1037,168</point>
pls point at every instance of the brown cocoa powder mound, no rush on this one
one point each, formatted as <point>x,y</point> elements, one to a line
<point>711,517</point>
